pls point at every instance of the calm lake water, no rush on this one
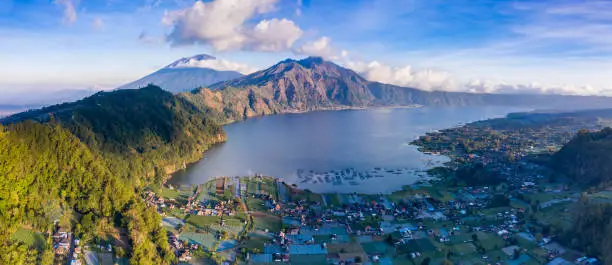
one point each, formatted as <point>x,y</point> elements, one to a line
<point>334,151</point>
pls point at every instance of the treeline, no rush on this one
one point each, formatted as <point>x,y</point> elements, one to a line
<point>591,231</point>
<point>587,159</point>
<point>84,163</point>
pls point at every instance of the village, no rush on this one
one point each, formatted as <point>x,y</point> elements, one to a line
<point>261,220</point>
<point>513,216</point>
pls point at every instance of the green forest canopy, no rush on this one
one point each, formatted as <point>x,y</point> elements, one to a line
<point>87,160</point>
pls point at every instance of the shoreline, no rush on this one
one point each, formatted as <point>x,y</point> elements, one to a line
<point>338,108</point>
<point>186,164</point>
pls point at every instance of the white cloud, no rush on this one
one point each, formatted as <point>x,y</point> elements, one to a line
<point>70,15</point>
<point>321,47</point>
<point>224,24</point>
<point>403,75</point>
<point>274,35</point>
<point>216,64</point>
<point>486,86</point>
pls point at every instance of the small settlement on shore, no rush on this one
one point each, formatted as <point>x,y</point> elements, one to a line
<point>441,220</point>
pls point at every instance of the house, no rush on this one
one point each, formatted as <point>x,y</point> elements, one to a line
<point>559,261</point>
<point>405,233</point>
<point>509,251</point>
<point>185,257</point>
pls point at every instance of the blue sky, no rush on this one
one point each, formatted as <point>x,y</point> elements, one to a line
<point>459,45</point>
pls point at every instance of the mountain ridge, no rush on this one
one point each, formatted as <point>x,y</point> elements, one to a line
<point>313,83</point>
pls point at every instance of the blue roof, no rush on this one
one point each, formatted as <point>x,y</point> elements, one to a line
<point>523,258</point>
<point>271,249</point>
<point>307,250</point>
<point>261,258</point>
<point>559,261</point>
<point>299,238</point>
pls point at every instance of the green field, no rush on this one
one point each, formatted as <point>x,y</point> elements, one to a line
<point>270,222</point>
<point>375,247</point>
<point>256,241</point>
<point>490,241</point>
<point>556,215</point>
<point>207,191</point>
<point>464,249</point>
<point>344,247</point>
<point>205,239</point>
<point>29,237</point>
<point>270,187</point>
<point>203,221</point>
<point>176,193</point>
<point>255,205</point>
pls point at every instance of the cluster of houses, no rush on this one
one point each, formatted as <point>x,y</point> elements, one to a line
<point>182,249</point>
<point>192,205</point>
<point>307,222</point>
<point>66,246</point>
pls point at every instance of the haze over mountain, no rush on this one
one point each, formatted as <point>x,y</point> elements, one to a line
<point>317,84</point>
<point>186,74</point>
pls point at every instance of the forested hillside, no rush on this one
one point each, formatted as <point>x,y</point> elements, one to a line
<point>84,163</point>
<point>591,230</point>
<point>587,159</point>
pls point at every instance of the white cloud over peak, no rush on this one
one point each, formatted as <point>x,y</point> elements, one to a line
<point>69,6</point>
<point>217,64</point>
<point>320,47</point>
<point>224,24</point>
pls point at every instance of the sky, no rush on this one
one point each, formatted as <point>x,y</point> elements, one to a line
<point>492,46</point>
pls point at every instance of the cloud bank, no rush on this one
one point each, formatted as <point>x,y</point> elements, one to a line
<point>230,25</point>
<point>227,25</point>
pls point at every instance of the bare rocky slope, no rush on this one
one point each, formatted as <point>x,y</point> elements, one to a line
<point>315,84</point>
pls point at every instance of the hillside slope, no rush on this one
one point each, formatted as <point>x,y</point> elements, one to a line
<point>87,161</point>
<point>587,159</point>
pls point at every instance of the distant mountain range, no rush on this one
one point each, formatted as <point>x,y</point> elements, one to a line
<point>316,84</point>
<point>292,86</point>
<point>28,99</point>
<point>181,76</point>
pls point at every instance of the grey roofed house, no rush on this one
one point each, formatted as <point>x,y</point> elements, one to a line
<point>559,261</point>
<point>509,250</point>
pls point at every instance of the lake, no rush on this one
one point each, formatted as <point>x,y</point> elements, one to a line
<point>363,151</point>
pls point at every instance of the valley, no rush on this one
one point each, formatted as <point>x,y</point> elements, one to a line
<point>299,132</point>
<point>482,207</point>
<point>102,166</point>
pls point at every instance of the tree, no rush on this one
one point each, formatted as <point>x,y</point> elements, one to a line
<point>516,254</point>
<point>426,261</point>
<point>223,235</point>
